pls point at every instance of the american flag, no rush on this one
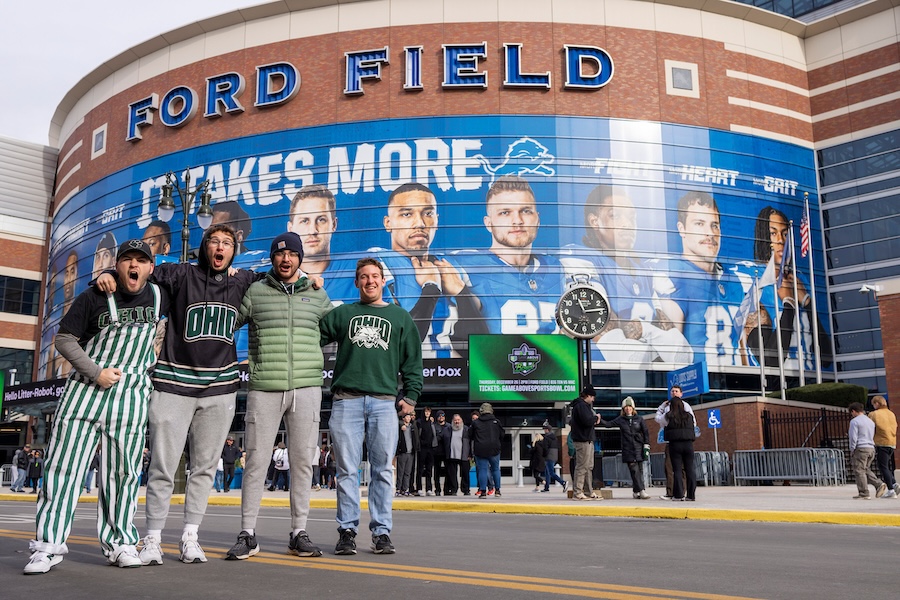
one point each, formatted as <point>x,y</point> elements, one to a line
<point>804,236</point>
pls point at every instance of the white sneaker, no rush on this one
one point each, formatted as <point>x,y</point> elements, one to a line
<point>644,495</point>
<point>191,552</point>
<point>125,557</point>
<point>41,562</point>
<point>151,552</point>
<point>890,494</point>
<point>429,493</point>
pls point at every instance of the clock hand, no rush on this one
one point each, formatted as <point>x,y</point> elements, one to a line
<point>587,310</point>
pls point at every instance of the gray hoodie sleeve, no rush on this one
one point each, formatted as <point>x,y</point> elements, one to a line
<point>67,345</point>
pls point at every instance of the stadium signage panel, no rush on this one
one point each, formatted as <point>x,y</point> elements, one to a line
<point>586,68</point>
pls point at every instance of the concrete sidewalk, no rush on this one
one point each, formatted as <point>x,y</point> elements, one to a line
<point>793,504</point>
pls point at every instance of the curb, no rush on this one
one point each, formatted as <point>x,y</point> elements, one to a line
<point>575,510</point>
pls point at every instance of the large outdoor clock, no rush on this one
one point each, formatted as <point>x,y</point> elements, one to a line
<point>582,311</point>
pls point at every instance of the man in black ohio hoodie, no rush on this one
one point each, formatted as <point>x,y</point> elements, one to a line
<point>195,385</point>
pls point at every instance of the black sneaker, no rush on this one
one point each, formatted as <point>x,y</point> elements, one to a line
<point>244,548</point>
<point>497,494</point>
<point>301,546</point>
<point>347,543</point>
<point>381,544</point>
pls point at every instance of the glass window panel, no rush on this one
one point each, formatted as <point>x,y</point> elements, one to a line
<point>859,341</point>
<point>844,236</point>
<point>852,321</point>
<point>845,257</point>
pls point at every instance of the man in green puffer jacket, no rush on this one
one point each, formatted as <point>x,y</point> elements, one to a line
<point>283,312</point>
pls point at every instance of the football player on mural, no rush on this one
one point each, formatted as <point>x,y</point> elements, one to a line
<point>771,237</point>
<point>705,293</point>
<point>516,288</point>
<point>57,365</point>
<point>313,218</point>
<point>643,331</point>
<point>434,292</point>
<point>158,236</point>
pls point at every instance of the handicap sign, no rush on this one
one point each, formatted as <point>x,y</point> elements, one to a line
<point>714,419</point>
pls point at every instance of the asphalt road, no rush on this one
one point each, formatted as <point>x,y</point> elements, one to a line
<point>453,555</point>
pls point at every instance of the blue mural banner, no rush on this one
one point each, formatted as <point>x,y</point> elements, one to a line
<point>481,222</point>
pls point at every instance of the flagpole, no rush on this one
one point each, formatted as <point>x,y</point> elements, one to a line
<point>759,326</point>
<point>812,295</point>
<point>778,335</point>
<point>798,335</point>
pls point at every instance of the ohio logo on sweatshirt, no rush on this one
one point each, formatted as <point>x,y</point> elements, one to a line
<point>210,320</point>
<point>370,331</point>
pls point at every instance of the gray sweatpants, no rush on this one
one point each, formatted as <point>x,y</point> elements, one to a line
<point>171,416</point>
<point>300,408</point>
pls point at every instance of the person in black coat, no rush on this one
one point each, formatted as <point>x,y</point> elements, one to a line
<point>551,445</point>
<point>35,469</point>
<point>407,447</point>
<point>538,461</point>
<point>635,441</point>
<point>487,436</point>
<point>582,434</point>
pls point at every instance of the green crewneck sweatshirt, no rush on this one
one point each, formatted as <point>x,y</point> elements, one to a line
<point>375,343</point>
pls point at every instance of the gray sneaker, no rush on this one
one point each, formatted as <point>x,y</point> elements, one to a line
<point>347,543</point>
<point>244,548</point>
<point>381,544</point>
<point>300,545</point>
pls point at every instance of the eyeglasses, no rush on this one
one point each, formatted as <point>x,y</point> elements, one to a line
<point>220,242</point>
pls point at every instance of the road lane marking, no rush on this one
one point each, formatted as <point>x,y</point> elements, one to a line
<point>584,589</point>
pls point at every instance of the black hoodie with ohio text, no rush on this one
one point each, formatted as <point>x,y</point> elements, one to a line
<point>198,356</point>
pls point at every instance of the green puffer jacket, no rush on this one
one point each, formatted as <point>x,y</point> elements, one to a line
<point>284,333</point>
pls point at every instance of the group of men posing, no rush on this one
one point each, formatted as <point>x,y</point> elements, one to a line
<point>189,395</point>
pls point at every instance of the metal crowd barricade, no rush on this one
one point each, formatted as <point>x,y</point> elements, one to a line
<point>658,468</point>
<point>615,471</point>
<point>819,466</point>
<point>7,474</point>
<point>711,468</point>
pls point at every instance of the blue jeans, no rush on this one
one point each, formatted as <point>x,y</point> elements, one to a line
<point>550,475</point>
<point>88,479</point>
<point>19,483</point>
<point>353,419</point>
<point>218,482</point>
<point>484,465</point>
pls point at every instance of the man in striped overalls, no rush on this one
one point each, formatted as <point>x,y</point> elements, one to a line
<point>108,338</point>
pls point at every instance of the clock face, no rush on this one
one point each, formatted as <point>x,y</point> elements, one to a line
<point>582,312</point>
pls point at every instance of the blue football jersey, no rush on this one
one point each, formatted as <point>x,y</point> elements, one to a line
<point>514,301</point>
<point>340,281</point>
<point>401,287</point>
<point>709,303</point>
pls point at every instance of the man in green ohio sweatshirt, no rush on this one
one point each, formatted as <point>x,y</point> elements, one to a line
<point>376,341</point>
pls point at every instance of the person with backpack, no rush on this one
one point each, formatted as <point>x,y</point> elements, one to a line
<point>679,430</point>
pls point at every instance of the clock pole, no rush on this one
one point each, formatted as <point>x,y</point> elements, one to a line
<point>586,350</point>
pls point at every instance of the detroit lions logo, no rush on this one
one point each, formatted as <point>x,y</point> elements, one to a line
<point>369,331</point>
<point>523,156</point>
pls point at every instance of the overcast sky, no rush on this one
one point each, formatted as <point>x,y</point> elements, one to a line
<point>47,47</point>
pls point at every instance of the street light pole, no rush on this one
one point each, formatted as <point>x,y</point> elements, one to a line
<point>187,197</point>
